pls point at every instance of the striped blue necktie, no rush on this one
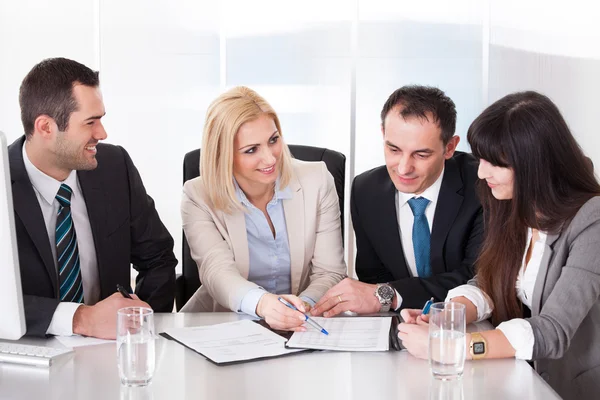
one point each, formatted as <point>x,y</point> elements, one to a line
<point>421,236</point>
<point>69,271</point>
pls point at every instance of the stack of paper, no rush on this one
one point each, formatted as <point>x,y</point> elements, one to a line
<point>232,342</point>
<point>345,334</point>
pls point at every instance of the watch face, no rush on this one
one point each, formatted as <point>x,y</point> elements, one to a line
<point>385,292</point>
<point>478,348</point>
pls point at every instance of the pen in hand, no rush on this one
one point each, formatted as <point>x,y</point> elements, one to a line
<point>427,306</point>
<point>308,319</point>
<point>123,292</point>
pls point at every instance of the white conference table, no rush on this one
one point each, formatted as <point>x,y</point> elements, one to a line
<point>91,373</point>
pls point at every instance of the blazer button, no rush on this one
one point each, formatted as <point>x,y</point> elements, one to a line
<point>545,376</point>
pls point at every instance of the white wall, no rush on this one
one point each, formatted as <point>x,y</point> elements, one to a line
<point>326,66</point>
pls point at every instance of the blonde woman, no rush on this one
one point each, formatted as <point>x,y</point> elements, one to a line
<point>259,224</point>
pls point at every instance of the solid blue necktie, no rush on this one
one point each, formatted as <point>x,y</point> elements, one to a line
<point>69,270</point>
<point>421,236</point>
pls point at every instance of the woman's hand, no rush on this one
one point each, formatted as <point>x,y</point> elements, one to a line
<point>415,337</point>
<point>412,315</point>
<point>278,315</point>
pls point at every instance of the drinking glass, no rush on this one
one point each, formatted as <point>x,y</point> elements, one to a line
<point>135,345</point>
<point>447,348</point>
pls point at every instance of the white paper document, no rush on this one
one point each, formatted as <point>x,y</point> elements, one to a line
<point>79,341</point>
<point>232,341</point>
<point>346,334</point>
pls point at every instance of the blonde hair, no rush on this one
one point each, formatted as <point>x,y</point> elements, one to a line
<point>225,115</point>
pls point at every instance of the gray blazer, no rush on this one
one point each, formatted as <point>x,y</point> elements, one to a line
<point>566,307</point>
<point>565,314</point>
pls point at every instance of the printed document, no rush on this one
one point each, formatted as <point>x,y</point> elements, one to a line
<point>345,334</point>
<point>232,341</point>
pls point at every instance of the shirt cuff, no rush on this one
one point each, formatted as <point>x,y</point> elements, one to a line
<point>250,301</point>
<point>308,300</point>
<point>62,319</point>
<point>399,300</point>
<point>475,296</point>
<point>519,334</point>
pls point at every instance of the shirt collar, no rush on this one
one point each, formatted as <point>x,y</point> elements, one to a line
<point>46,186</point>
<point>280,194</point>
<point>431,193</point>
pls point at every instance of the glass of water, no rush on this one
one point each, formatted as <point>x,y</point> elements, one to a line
<point>135,345</point>
<point>447,340</point>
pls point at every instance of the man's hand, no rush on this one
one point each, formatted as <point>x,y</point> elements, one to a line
<point>348,295</point>
<point>100,320</point>
<point>278,315</point>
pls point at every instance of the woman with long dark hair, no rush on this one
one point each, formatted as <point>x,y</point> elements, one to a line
<point>538,274</point>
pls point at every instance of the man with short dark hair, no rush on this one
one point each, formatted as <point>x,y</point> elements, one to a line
<point>417,220</point>
<point>82,214</point>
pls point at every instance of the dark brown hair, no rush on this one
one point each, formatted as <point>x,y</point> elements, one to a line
<point>48,90</point>
<point>552,179</point>
<point>417,101</point>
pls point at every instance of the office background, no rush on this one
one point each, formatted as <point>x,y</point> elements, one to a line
<point>326,66</point>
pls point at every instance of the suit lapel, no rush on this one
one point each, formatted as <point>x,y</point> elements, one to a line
<point>236,229</point>
<point>540,280</point>
<point>98,214</point>
<point>28,210</point>
<point>386,220</point>
<point>448,205</point>
<point>294,220</point>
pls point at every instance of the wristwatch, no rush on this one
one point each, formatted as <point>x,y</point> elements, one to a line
<point>478,346</point>
<point>385,294</point>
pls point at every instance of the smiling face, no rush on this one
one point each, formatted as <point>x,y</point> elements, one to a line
<point>499,179</point>
<point>257,154</point>
<point>75,148</point>
<point>414,151</point>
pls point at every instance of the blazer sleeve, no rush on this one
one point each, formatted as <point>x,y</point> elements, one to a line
<point>368,266</point>
<point>327,266</point>
<point>576,291</point>
<point>211,252</point>
<point>151,246</point>
<point>38,314</point>
<point>416,291</point>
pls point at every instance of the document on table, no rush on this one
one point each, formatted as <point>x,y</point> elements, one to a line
<point>80,341</point>
<point>232,342</point>
<point>346,334</point>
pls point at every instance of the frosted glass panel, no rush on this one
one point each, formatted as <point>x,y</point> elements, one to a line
<point>300,61</point>
<point>529,51</point>
<point>431,43</point>
<point>32,30</point>
<point>159,72</point>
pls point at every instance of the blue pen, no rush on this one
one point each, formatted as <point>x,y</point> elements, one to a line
<point>427,306</point>
<point>308,319</point>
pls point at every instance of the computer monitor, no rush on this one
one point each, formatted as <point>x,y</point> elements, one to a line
<point>12,315</point>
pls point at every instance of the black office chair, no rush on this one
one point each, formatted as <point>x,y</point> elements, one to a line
<point>188,282</point>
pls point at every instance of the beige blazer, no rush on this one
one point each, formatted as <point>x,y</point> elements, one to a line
<point>219,245</point>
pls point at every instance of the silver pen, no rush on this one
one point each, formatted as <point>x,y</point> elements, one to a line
<point>308,319</point>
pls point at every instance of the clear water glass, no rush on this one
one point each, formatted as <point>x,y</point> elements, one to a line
<point>135,345</point>
<point>446,389</point>
<point>447,348</point>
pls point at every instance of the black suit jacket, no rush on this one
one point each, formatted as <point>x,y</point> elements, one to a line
<point>456,235</point>
<point>126,230</point>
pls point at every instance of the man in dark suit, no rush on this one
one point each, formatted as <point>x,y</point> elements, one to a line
<point>417,220</point>
<point>81,211</point>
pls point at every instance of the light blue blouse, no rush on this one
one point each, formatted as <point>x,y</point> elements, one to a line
<point>269,257</point>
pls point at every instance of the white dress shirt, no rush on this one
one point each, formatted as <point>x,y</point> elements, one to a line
<point>406,219</point>
<point>45,188</point>
<point>518,331</point>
